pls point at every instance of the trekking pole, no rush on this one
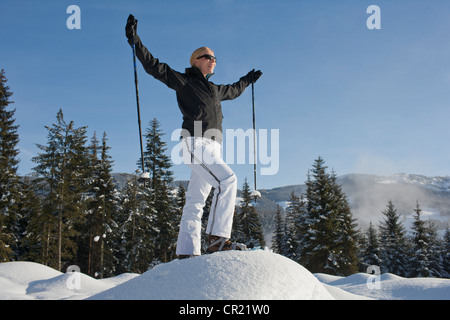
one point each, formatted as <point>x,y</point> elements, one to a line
<point>138,113</point>
<point>254,131</point>
<point>256,193</point>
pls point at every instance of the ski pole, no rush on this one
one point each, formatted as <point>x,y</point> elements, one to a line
<point>138,112</point>
<point>254,130</point>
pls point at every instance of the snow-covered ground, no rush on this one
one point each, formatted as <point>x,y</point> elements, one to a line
<point>252,275</point>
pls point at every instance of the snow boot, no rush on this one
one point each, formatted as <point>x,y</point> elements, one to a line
<point>216,243</point>
<point>186,256</point>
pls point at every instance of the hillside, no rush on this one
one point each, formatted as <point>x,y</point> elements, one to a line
<point>369,194</point>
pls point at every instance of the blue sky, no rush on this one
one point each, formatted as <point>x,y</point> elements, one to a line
<point>367,101</point>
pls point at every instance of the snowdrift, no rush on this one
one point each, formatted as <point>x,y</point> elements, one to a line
<point>390,286</point>
<point>232,275</point>
<point>33,281</point>
<point>252,275</point>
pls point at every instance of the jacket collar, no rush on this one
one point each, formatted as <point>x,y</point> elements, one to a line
<point>194,71</point>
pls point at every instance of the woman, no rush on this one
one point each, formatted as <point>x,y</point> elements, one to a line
<point>199,102</point>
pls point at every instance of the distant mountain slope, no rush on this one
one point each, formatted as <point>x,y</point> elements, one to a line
<point>369,194</point>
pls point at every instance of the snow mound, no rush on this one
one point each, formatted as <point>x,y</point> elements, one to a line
<point>387,287</point>
<point>326,278</point>
<point>354,279</point>
<point>232,275</point>
<point>22,272</point>
<point>68,286</point>
<point>32,281</point>
<point>114,281</point>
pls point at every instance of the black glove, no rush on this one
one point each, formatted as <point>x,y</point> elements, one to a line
<point>131,29</point>
<point>253,76</point>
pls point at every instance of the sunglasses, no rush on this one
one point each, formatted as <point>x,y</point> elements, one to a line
<point>208,56</point>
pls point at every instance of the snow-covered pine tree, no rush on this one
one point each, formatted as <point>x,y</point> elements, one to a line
<point>289,247</point>
<point>32,242</point>
<point>370,250</point>
<point>346,249</point>
<point>277,238</point>
<point>425,257</point>
<point>393,243</point>
<point>446,254</point>
<point>158,164</point>
<point>436,260</point>
<point>156,161</point>
<point>237,231</point>
<point>180,200</point>
<point>63,168</point>
<point>205,219</point>
<point>317,239</point>
<point>91,221</point>
<point>9,181</point>
<point>110,197</point>
<point>250,225</point>
<point>102,201</point>
<point>134,245</point>
<point>329,243</point>
<point>294,228</point>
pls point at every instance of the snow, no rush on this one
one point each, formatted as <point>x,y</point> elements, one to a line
<point>255,194</point>
<point>145,175</point>
<point>390,287</point>
<point>32,281</point>
<point>233,275</point>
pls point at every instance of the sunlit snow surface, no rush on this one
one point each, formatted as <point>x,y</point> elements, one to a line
<point>251,275</point>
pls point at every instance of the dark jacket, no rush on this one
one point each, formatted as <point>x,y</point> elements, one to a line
<point>198,98</point>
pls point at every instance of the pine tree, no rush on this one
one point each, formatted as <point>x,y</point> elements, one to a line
<point>9,181</point>
<point>446,254</point>
<point>393,242</point>
<point>134,242</point>
<point>329,242</point>
<point>252,234</point>
<point>180,200</point>
<point>425,260</point>
<point>32,244</point>
<point>370,249</point>
<point>158,164</point>
<point>346,260</point>
<point>436,260</point>
<point>294,228</point>
<point>63,168</point>
<point>236,231</point>
<point>277,238</point>
<point>102,203</point>
<point>317,241</point>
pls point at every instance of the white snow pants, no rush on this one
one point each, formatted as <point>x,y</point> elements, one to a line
<point>203,156</point>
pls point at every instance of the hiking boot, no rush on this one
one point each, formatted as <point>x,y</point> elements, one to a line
<point>186,256</point>
<point>216,243</point>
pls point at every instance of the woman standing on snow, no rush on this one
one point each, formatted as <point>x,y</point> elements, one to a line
<point>199,101</point>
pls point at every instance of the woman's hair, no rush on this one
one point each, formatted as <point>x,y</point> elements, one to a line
<point>197,53</point>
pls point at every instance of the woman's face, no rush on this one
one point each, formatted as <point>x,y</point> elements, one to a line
<point>204,64</point>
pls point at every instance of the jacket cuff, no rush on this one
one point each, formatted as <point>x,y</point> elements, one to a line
<point>247,80</point>
<point>133,39</point>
